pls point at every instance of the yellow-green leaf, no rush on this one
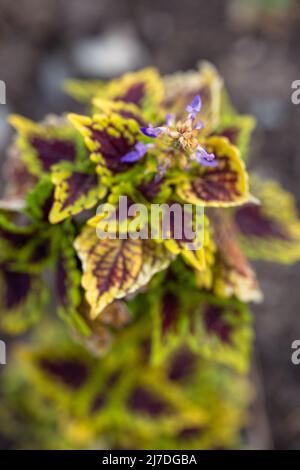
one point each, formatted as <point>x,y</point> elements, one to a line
<point>114,268</point>
<point>269,230</point>
<point>74,192</point>
<point>221,186</point>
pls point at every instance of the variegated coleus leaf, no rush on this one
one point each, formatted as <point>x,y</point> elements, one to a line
<point>125,110</point>
<point>213,328</point>
<point>109,137</point>
<point>144,89</point>
<point>232,276</point>
<point>39,203</point>
<point>123,400</point>
<point>270,228</point>
<point>83,90</point>
<point>202,258</point>
<point>68,280</point>
<point>22,299</point>
<point>14,237</point>
<point>222,331</point>
<point>237,129</point>
<point>223,185</point>
<point>39,200</point>
<point>182,87</point>
<point>115,219</point>
<point>59,372</point>
<point>25,244</point>
<point>153,190</point>
<point>114,268</point>
<point>76,189</point>
<point>181,229</point>
<point>18,181</point>
<point>42,145</point>
<point>95,334</point>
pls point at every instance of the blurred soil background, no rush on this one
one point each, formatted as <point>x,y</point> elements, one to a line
<point>256,46</point>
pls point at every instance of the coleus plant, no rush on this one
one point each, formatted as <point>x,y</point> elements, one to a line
<point>155,140</point>
<point>57,395</point>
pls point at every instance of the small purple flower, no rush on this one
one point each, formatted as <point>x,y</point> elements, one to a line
<point>151,131</point>
<point>139,151</point>
<point>161,170</point>
<point>194,107</point>
<point>170,119</point>
<point>199,125</point>
<point>205,158</point>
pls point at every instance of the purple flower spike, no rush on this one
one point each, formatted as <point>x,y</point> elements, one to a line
<point>194,107</point>
<point>151,131</point>
<point>205,158</point>
<point>139,151</point>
